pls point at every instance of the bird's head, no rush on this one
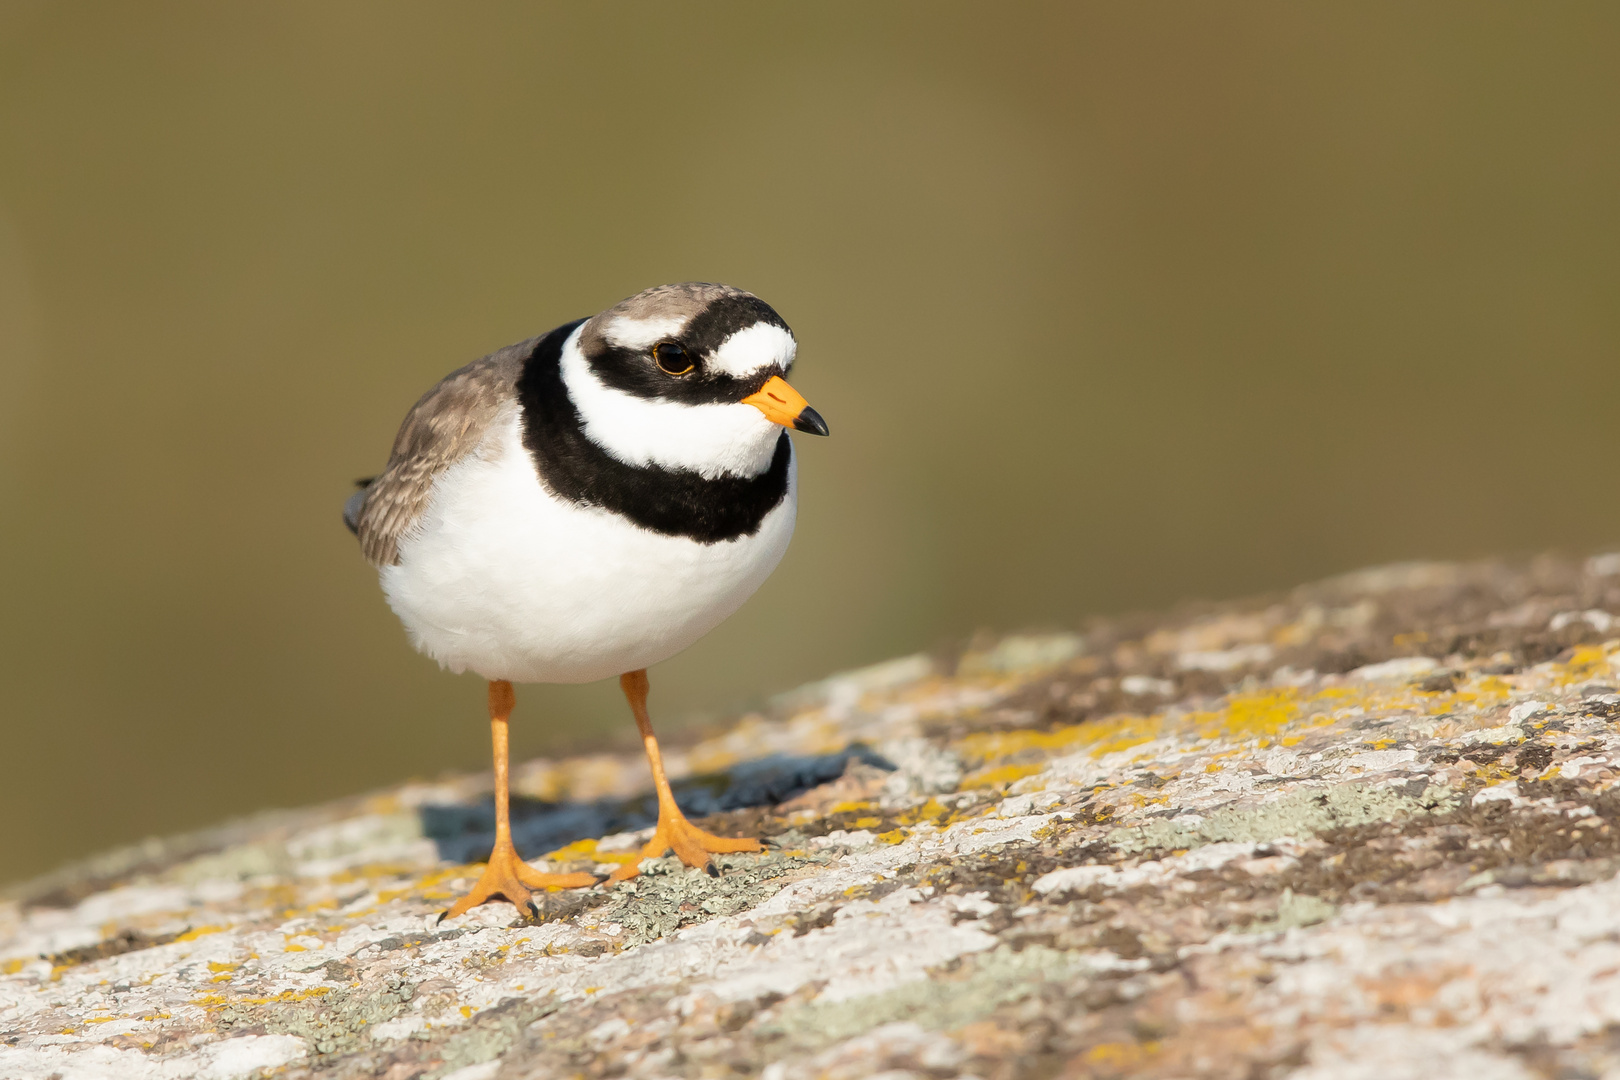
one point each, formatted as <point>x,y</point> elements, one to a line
<point>688,376</point>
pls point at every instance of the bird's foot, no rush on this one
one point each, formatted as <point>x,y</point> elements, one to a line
<point>515,881</point>
<point>690,843</point>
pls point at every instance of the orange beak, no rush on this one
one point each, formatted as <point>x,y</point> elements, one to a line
<point>784,405</point>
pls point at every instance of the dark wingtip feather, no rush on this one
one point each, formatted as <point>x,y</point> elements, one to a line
<point>354,504</point>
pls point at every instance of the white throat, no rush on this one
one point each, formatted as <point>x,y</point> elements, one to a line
<point>711,440</point>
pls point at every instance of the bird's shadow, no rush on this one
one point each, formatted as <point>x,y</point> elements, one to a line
<point>463,831</point>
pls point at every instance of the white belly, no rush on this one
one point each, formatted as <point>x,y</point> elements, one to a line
<point>502,579</point>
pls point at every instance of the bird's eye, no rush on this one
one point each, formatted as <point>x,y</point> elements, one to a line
<point>671,358</point>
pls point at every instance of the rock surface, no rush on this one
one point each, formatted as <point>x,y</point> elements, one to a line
<point>1366,829</point>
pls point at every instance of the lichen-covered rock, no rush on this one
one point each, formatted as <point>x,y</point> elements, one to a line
<point>1368,829</point>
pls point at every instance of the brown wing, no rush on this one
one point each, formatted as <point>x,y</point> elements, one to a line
<point>442,428</point>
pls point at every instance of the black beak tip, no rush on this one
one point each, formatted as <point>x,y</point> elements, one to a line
<point>810,421</point>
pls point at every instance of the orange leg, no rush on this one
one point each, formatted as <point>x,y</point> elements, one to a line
<point>507,875</point>
<point>691,843</point>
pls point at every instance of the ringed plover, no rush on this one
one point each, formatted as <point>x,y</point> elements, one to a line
<point>588,503</point>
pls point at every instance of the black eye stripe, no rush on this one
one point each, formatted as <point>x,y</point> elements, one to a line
<point>634,372</point>
<point>642,372</point>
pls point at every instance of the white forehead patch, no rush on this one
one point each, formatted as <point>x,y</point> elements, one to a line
<point>630,333</point>
<point>753,348</point>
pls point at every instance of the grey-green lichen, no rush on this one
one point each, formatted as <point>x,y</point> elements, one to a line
<point>948,999</point>
<point>1299,813</point>
<point>332,1024</point>
<point>668,895</point>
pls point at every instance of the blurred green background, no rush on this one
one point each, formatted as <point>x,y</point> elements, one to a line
<point>1107,306</point>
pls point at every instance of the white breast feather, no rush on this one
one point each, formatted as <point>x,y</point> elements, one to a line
<point>504,579</point>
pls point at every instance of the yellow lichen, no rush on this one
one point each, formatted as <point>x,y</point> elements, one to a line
<point>311,908</point>
<point>438,877</point>
<point>1586,662</point>
<point>1123,732</point>
<point>381,805</point>
<point>586,849</point>
<point>1117,1055</point>
<point>201,931</point>
<point>708,757</point>
<point>931,810</point>
<point>1486,691</point>
<point>214,1001</point>
<point>428,882</point>
<point>1004,774</point>
<point>1493,774</point>
<point>371,872</point>
<point>987,746</point>
<point>1248,715</point>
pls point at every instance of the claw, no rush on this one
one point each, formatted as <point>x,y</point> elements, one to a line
<point>513,880</point>
<point>691,845</point>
